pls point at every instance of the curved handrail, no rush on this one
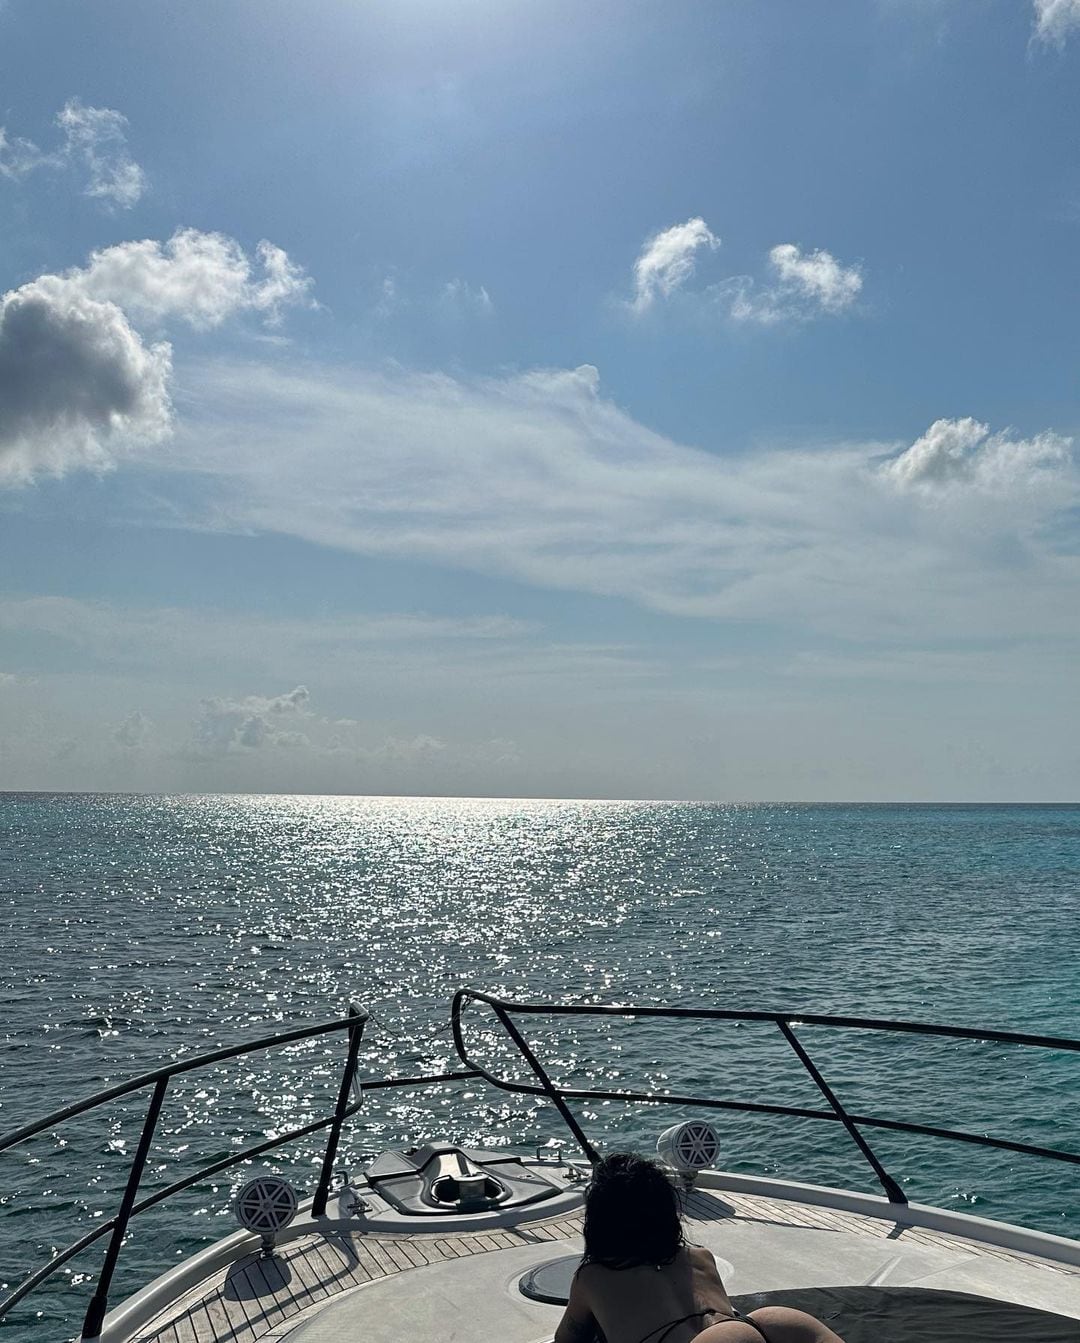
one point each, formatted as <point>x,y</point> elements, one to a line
<point>158,1080</point>
<point>785,1022</point>
<point>171,1070</point>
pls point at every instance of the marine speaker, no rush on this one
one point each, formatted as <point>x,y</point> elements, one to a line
<point>266,1205</point>
<point>690,1147</point>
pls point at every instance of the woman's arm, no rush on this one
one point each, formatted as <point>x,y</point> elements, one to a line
<point>578,1325</point>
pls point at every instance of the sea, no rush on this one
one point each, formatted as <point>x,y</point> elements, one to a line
<point>142,929</point>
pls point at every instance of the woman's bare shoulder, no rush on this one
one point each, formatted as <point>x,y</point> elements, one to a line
<point>702,1258</point>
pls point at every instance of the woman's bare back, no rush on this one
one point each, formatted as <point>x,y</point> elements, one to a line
<point>668,1303</point>
<point>683,1301</point>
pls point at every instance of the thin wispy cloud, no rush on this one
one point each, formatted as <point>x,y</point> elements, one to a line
<point>97,137</point>
<point>93,142</point>
<point>455,300</point>
<point>458,297</point>
<point>540,478</point>
<point>1056,20</point>
<point>18,156</point>
<point>667,261</point>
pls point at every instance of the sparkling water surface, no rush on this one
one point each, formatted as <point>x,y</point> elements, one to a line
<point>140,929</point>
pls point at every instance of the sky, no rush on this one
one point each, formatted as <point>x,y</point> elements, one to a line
<point>541,399</point>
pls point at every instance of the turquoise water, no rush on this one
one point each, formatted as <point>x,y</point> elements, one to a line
<point>141,928</point>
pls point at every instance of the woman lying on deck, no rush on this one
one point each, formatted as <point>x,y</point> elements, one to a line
<point>640,1282</point>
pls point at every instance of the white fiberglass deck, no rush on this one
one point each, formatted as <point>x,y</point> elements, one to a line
<point>382,1287</point>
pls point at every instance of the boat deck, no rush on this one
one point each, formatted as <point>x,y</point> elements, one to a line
<point>340,1285</point>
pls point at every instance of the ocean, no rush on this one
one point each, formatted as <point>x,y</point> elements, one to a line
<point>140,928</point>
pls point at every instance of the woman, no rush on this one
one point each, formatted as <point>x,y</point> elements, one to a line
<point>640,1282</point>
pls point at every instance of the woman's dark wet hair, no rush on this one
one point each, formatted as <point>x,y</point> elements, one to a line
<point>631,1213</point>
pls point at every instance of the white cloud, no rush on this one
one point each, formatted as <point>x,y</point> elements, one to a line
<point>96,137</point>
<point>667,261</point>
<point>816,277</point>
<point>801,284</point>
<point>77,384</point>
<point>1055,20</point>
<point>252,723</point>
<point>227,729</point>
<point>804,285</point>
<point>540,478</point>
<point>964,453</point>
<point>202,278</point>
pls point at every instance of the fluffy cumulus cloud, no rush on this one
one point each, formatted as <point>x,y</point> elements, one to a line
<point>965,454</point>
<point>1055,20</point>
<point>77,383</point>
<point>816,277</point>
<point>93,141</point>
<point>254,723</point>
<point>541,478</point>
<point>667,261</point>
<point>801,285</point>
<point>200,278</point>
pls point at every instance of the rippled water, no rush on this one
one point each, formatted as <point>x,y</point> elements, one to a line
<point>142,928</point>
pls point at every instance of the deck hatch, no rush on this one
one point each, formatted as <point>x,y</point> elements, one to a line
<point>437,1179</point>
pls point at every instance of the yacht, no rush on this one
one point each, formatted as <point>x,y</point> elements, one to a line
<point>439,1241</point>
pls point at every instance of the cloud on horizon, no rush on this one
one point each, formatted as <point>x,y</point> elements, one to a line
<point>227,729</point>
<point>254,723</point>
<point>135,732</point>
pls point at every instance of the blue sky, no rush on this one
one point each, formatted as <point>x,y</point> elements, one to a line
<point>618,400</point>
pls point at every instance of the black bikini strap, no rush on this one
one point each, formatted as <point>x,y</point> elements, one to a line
<point>681,1320</point>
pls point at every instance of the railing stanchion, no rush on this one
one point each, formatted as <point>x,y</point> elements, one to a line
<point>893,1192</point>
<point>356,1034</point>
<point>550,1089</point>
<point>99,1302</point>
